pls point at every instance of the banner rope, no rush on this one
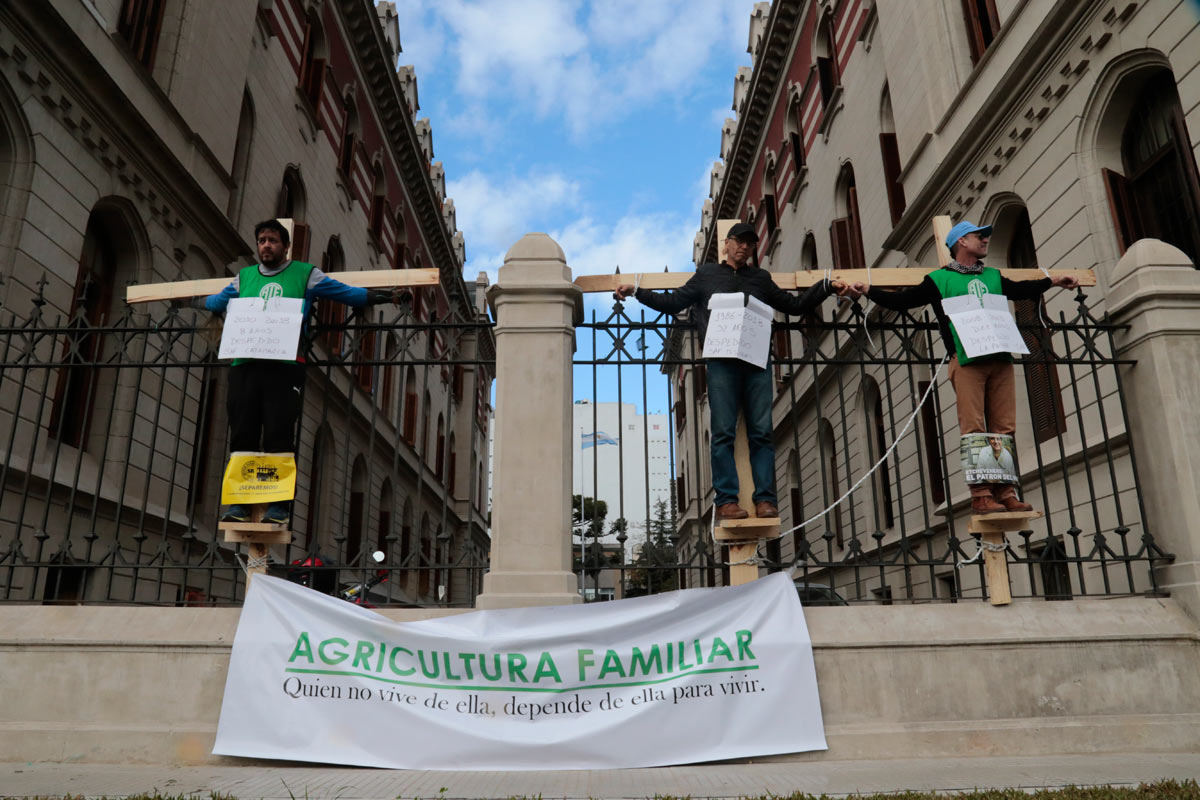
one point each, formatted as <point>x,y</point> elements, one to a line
<point>253,563</point>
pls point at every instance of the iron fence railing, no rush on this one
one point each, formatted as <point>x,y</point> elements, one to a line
<point>846,386</point>
<point>113,438</point>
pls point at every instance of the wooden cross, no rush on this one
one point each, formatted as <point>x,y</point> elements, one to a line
<point>743,535</point>
<point>369,279</point>
<point>887,277</point>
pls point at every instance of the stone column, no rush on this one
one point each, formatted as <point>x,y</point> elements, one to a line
<point>537,308</point>
<point>1155,290</point>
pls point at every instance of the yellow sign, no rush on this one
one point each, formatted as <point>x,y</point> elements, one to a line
<point>259,478</point>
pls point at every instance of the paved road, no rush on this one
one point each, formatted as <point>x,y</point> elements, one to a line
<point>285,781</point>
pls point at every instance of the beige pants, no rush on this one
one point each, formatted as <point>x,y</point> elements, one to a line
<point>987,403</point>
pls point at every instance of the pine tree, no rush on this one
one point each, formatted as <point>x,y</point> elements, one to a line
<point>656,567</point>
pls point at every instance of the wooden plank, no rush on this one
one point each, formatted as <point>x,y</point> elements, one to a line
<point>367,279</point>
<point>941,229</point>
<point>742,573</point>
<point>255,532</point>
<point>1001,521</point>
<point>890,277</point>
<point>995,570</point>
<point>750,529</point>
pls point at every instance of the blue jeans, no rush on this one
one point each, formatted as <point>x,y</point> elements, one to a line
<point>735,386</point>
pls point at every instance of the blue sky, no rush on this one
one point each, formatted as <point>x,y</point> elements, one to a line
<point>595,122</point>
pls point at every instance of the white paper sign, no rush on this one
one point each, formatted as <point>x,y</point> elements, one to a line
<point>737,329</point>
<point>984,324</point>
<point>268,329</point>
<point>682,677</point>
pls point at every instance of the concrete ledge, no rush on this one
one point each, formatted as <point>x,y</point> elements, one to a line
<point>144,685</point>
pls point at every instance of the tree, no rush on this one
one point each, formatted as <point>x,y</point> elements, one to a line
<point>656,567</point>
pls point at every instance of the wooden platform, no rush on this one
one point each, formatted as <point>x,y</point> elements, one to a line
<point>732,530</point>
<point>991,529</point>
<point>255,532</point>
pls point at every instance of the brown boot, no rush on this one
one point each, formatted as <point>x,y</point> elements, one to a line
<point>731,511</point>
<point>982,501</point>
<point>1007,496</point>
<point>765,510</point>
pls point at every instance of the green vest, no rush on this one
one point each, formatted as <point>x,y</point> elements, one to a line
<point>955,284</point>
<point>292,282</point>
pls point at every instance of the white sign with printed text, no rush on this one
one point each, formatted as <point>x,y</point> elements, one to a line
<point>675,678</point>
<point>984,324</point>
<point>738,329</point>
<point>258,328</point>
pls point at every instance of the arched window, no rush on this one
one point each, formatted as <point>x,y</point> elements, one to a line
<point>316,490</point>
<point>357,511</point>
<point>406,542</point>
<point>795,497</point>
<point>794,130</point>
<point>401,255</point>
<point>330,314</point>
<point>378,203</point>
<point>889,149</point>
<point>1041,375</point>
<point>808,252</point>
<point>983,24</point>
<point>1158,193</point>
<point>365,372</point>
<point>311,77</point>
<point>873,431</point>
<point>768,196</point>
<point>424,448</point>
<point>825,57</point>
<point>451,467</point>
<point>387,389</point>
<point>351,132</point>
<point>108,260</point>
<point>241,158</point>
<point>845,233</point>
<point>139,25</point>
<point>409,431</point>
<point>426,571</point>
<point>291,205</point>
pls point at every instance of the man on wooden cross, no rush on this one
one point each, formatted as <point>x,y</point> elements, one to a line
<point>736,386</point>
<point>264,396</point>
<point>984,385</point>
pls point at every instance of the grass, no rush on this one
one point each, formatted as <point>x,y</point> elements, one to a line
<point>1162,790</point>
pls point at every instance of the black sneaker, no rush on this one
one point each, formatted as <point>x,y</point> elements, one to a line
<point>277,514</point>
<point>236,513</point>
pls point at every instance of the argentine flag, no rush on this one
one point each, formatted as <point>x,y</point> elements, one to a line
<point>587,440</point>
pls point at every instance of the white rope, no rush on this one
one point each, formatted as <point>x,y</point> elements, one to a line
<point>883,458</point>
<point>253,563</point>
<point>637,281</point>
<point>983,546</point>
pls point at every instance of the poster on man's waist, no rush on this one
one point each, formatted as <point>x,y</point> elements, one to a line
<point>258,328</point>
<point>738,327</point>
<point>984,324</point>
<point>675,678</point>
<point>988,458</point>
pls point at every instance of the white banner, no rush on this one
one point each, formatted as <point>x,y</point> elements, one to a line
<point>738,327</point>
<point>677,678</point>
<point>258,328</point>
<point>984,324</point>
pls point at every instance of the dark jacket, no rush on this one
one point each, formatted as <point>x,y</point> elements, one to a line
<point>926,294</point>
<point>711,279</point>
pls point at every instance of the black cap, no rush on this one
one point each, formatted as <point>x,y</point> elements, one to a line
<point>742,231</point>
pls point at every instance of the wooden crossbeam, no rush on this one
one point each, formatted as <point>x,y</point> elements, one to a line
<point>368,279</point>
<point>991,529</point>
<point>884,277</point>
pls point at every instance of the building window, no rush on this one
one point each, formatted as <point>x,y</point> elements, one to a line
<point>983,24</point>
<point>311,79</point>
<point>889,150</point>
<point>876,447</point>
<point>451,467</point>
<point>830,484</point>
<point>139,25</point>
<point>384,529</point>
<point>1158,196</point>
<point>1041,375</point>
<point>350,134</point>
<point>794,130</point>
<point>331,315</point>
<point>364,373</point>
<point>401,255</point>
<point>825,58</point>
<point>439,460</point>
<point>410,407</point>
<point>378,204</point>
<point>845,233</point>
<point>290,205</point>
<point>354,520</point>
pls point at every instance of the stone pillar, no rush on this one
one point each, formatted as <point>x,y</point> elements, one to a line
<point>537,308</point>
<point>1155,290</point>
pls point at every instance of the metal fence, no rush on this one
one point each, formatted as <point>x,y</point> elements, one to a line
<point>113,441</point>
<point>847,386</point>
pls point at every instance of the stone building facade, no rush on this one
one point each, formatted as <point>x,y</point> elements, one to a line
<point>1072,127</point>
<point>140,142</point>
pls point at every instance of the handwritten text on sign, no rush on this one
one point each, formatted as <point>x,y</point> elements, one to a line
<point>984,324</point>
<point>737,329</point>
<point>268,329</point>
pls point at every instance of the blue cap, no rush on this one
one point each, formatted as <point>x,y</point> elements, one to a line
<point>962,229</point>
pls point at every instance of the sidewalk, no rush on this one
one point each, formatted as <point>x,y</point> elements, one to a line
<point>286,782</point>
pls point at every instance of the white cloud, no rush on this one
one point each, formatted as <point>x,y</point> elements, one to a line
<point>636,243</point>
<point>586,63</point>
